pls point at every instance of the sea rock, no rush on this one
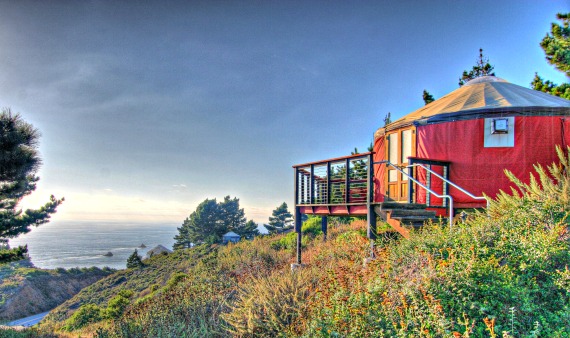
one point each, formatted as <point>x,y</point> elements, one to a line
<point>142,246</point>
<point>108,254</point>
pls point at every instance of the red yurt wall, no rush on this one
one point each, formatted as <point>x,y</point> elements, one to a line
<point>379,169</point>
<point>481,170</point>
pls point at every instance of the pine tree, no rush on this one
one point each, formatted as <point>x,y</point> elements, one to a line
<point>19,163</point>
<point>278,221</point>
<point>231,215</point>
<point>551,88</point>
<point>556,45</point>
<point>481,68</point>
<point>211,221</point>
<point>182,239</point>
<point>428,98</point>
<point>387,119</point>
<point>202,226</point>
<point>248,230</point>
<point>134,261</point>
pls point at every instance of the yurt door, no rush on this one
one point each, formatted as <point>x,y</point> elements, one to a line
<point>401,145</point>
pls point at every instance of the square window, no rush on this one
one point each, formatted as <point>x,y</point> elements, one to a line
<point>500,126</point>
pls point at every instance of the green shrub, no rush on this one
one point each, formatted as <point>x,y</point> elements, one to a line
<point>86,314</point>
<point>154,287</point>
<point>118,304</point>
<point>310,229</point>
<point>175,279</point>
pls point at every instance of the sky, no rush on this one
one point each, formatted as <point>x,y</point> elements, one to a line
<point>146,108</point>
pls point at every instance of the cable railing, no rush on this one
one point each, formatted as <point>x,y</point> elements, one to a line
<point>450,183</point>
<point>339,181</point>
<point>442,196</point>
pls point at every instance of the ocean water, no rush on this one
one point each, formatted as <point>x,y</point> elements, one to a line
<point>83,244</point>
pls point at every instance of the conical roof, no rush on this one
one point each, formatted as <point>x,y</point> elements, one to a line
<point>483,96</point>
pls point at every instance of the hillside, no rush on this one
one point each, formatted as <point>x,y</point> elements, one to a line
<point>157,271</point>
<point>500,273</point>
<point>25,290</point>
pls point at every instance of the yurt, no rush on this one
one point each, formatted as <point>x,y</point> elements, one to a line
<point>470,136</point>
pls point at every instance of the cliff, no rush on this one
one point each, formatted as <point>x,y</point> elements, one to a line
<point>25,290</point>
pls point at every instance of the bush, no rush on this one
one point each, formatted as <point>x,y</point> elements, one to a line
<point>116,306</point>
<point>268,306</point>
<point>86,314</point>
<point>310,229</point>
<point>12,255</point>
<point>175,279</point>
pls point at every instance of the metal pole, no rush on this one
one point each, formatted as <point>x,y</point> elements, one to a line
<point>347,183</point>
<point>312,188</point>
<point>410,183</point>
<point>371,231</point>
<point>296,187</point>
<point>324,227</point>
<point>370,214</point>
<point>298,223</point>
<point>328,183</point>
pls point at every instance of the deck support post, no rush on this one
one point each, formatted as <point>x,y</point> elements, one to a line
<point>324,227</point>
<point>371,229</point>
<point>370,213</point>
<point>298,223</point>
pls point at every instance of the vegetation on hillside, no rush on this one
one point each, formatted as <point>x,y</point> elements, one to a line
<point>26,290</point>
<point>502,273</point>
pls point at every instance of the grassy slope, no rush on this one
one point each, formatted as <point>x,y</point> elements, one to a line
<point>436,284</point>
<point>489,275</point>
<point>158,271</point>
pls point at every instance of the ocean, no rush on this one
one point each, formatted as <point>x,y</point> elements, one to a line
<point>83,244</point>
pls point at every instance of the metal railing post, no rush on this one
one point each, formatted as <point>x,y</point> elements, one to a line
<point>298,223</point>
<point>312,187</point>
<point>328,182</point>
<point>347,183</point>
<point>370,214</point>
<point>410,185</point>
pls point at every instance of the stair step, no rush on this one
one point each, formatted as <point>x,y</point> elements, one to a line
<point>412,212</point>
<point>415,220</point>
<point>396,205</point>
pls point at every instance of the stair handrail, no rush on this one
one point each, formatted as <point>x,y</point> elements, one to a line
<point>450,218</point>
<point>451,183</point>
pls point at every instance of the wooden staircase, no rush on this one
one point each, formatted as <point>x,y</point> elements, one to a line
<point>402,216</point>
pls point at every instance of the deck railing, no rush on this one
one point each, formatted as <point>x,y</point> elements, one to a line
<point>339,181</point>
<point>428,165</point>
